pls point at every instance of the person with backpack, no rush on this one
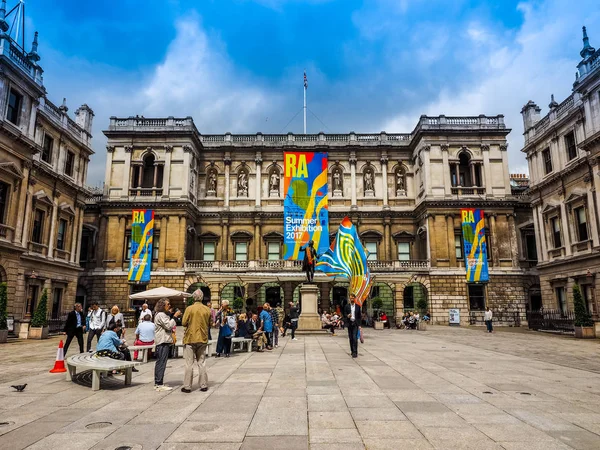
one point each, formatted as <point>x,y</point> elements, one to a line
<point>114,317</point>
<point>97,319</point>
<point>225,330</point>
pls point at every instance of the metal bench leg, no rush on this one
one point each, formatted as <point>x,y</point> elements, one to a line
<point>145,359</point>
<point>95,380</point>
<point>128,372</point>
<point>249,345</point>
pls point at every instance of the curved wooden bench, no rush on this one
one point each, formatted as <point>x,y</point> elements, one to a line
<point>98,366</point>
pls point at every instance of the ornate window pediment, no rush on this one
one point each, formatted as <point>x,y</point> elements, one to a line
<point>549,209</point>
<point>41,198</point>
<point>209,236</point>
<point>11,169</point>
<point>576,197</point>
<point>404,235</point>
<point>67,209</point>
<point>371,235</point>
<point>273,236</point>
<point>241,235</point>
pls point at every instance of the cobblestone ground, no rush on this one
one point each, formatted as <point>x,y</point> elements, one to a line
<point>444,388</point>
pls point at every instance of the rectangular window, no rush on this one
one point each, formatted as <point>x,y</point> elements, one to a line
<point>69,163</point>
<point>15,101</point>
<point>208,251</point>
<point>155,246</point>
<point>547,157</point>
<point>56,303</point>
<point>530,247</point>
<point>477,297</point>
<point>570,146</point>
<point>38,226</point>
<point>409,297</point>
<point>127,246</point>
<point>241,251</point>
<point>404,251</point>
<point>4,191</point>
<point>458,246</point>
<point>560,298</point>
<point>556,239</point>
<point>372,249</point>
<point>62,234</point>
<point>47,148</point>
<point>581,220</point>
<point>273,253</point>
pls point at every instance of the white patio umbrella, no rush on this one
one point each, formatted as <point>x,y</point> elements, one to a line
<point>158,293</point>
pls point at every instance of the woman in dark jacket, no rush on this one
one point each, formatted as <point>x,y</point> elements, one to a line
<point>242,327</point>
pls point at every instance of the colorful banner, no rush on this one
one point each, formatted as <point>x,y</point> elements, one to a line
<point>475,246</point>
<point>140,255</point>
<point>348,258</point>
<point>305,212</point>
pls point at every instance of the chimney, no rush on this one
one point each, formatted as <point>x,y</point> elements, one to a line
<point>531,115</point>
<point>84,117</point>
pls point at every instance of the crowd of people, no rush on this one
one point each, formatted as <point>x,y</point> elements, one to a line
<point>410,320</point>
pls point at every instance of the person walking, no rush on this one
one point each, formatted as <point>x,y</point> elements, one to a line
<point>75,327</point>
<point>353,318</point>
<point>224,339</point>
<point>294,316</point>
<point>266,324</point>
<point>487,317</point>
<point>97,324</point>
<point>163,339</point>
<point>196,321</point>
<point>275,319</point>
<point>144,334</point>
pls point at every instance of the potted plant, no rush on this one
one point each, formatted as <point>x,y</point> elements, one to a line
<point>237,304</point>
<point>422,308</point>
<point>377,304</point>
<point>584,325</point>
<point>3,324</point>
<point>38,328</point>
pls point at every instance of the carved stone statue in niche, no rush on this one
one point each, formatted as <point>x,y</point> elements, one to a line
<point>369,183</point>
<point>338,182</point>
<point>274,184</point>
<point>242,187</point>
<point>400,183</point>
<point>211,183</point>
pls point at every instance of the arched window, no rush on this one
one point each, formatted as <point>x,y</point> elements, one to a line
<point>148,175</point>
<point>466,172</point>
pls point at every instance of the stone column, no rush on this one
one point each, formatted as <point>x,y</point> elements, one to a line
<point>257,239</point>
<point>127,176</point>
<point>101,241</point>
<point>384,171</point>
<point>258,161</point>
<point>79,233</point>
<point>565,228</point>
<point>162,251</point>
<point>431,254</point>
<point>155,177</point>
<point>225,245</point>
<point>182,241</point>
<point>450,234</point>
<point>591,209</point>
<point>51,239</point>
<point>74,234</point>
<point>324,303</point>
<point>473,180</point>
<point>485,150</point>
<point>309,317</point>
<point>227,161</point>
<point>495,256</point>
<point>457,173</point>
<point>28,213</point>
<point>446,170</point>
<point>167,172</point>
<point>512,233</point>
<point>120,249</point>
<point>352,161</point>
<point>110,150</point>
<point>543,232</point>
<point>387,239</point>
<point>539,233</point>
<point>22,205</point>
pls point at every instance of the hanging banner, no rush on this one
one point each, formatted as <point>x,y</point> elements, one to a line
<point>305,212</point>
<point>140,254</point>
<point>475,246</point>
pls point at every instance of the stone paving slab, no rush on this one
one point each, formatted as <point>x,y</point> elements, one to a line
<point>507,390</point>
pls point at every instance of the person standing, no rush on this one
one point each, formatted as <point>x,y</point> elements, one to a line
<point>145,311</point>
<point>75,327</point>
<point>116,316</point>
<point>353,318</point>
<point>97,324</point>
<point>144,334</point>
<point>487,317</point>
<point>163,338</point>
<point>294,315</point>
<point>266,325</point>
<point>224,339</point>
<point>275,319</point>
<point>196,321</point>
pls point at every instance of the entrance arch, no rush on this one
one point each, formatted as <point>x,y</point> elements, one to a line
<point>413,294</point>
<point>203,287</point>
<point>271,293</point>
<point>534,298</point>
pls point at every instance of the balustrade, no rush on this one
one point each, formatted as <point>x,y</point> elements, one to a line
<point>145,192</point>
<point>296,266</point>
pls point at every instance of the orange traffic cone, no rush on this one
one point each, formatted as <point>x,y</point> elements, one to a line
<point>59,365</point>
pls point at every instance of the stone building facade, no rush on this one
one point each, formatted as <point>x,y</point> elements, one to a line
<point>563,151</point>
<point>218,202</point>
<point>43,163</point>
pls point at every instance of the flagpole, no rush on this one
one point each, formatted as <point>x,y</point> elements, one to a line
<point>305,104</point>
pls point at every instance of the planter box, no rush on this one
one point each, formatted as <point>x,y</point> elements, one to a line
<point>3,336</point>
<point>585,332</point>
<point>38,333</point>
<point>422,326</point>
<point>378,325</point>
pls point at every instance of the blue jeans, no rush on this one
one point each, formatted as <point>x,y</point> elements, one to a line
<point>223,343</point>
<point>488,324</point>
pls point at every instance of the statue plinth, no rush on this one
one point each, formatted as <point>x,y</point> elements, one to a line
<point>337,193</point>
<point>211,193</point>
<point>400,193</point>
<point>274,193</point>
<point>309,317</point>
<point>369,193</point>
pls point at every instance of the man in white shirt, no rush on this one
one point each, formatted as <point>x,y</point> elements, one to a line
<point>487,317</point>
<point>144,333</point>
<point>145,311</point>
<point>353,318</point>
<point>97,324</point>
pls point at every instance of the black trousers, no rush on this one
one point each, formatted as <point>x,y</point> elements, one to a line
<point>78,333</point>
<point>352,332</point>
<point>91,334</point>
<point>294,326</point>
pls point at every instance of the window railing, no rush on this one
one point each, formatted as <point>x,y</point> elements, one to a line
<point>38,248</point>
<point>61,254</point>
<point>290,265</point>
<point>468,190</point>
<point>145,192</point>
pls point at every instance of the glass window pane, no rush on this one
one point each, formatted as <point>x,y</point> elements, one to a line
<point>273,251</point>
<point>208,251</point>
<point>155,246</point>
<point>404,251</point>
<point>458,248</point>
<point>372,249</point>
<point>241,251</point>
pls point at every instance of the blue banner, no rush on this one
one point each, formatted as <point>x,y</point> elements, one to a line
<point>475,245</point>
<point>140,255</point>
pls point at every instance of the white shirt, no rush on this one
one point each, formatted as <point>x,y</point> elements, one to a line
<point>487,315</point>
<point>352,309</point>
<point>96,322</point>
<point>146,331</point>
<point>143,314</point>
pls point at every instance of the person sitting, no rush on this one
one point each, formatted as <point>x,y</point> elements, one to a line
<point>426,317</point>
<point>383,319</point>
<point>411,321</point>
<point>109,345</point>
<point>253,327</point>
<point>242,326</point>
<point>328,324</point>
<point>144,334</point>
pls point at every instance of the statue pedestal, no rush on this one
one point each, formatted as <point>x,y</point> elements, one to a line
<point>211,193</point>
<point>309,317</point>
<point>337,193</point>
<point>369,193</point>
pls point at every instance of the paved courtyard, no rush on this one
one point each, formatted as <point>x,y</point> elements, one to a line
<point>444,388</point>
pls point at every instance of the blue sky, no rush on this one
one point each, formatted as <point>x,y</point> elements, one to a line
<point>372,65</point>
